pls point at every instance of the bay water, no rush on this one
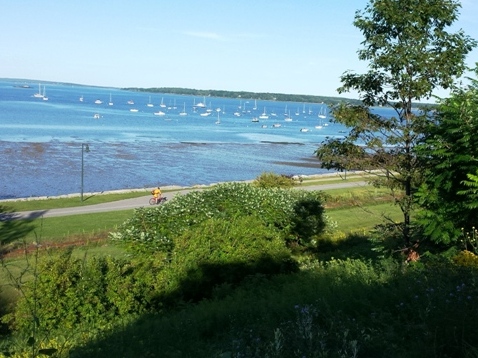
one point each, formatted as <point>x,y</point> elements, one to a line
<point>54,136</point>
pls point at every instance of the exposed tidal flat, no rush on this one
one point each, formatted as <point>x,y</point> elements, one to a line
<point>112,139</point>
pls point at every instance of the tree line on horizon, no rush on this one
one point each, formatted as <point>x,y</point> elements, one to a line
<point>279,97</point>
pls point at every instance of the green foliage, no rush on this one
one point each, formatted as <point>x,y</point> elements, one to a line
<point>222,252</point>
<point>342,308</point>
<point>73,293</point>
<point>448,195</point>
<point>153,230</point>
<point>272,180</point>
<point>410,54</point>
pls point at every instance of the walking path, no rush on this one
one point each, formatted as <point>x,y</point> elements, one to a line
<point>128,204</point>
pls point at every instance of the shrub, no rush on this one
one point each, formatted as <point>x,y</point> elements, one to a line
<point>71,293</point>
<point>272,180</point>
<point>466,258</point>
<point>153,230</point>
<point>222,252</point>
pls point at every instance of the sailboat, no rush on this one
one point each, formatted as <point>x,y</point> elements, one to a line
<point>201,104</point>
<point>162,105</point>
<point>45,98</point>
<point>218,119</point>
<point>110,103</point>
<point>288,118</point>
<point>322,115</point>
<point>183,113</point>
<point>264,114</point>
<point>149,103</point>
<point>39,94</point>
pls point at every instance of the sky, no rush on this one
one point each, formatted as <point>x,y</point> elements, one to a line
<point>275,46</point>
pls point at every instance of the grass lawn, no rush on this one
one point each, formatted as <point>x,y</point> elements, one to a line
<point>58,203</point>
<point>362,219</point>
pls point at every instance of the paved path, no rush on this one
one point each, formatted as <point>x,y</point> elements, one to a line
<point>128,204</point>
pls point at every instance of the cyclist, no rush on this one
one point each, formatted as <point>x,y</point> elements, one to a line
<point>156,192</point>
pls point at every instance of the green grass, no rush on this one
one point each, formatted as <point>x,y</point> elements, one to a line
<point>59,229</point>
<point>58,203</point>
<point>362,219</point>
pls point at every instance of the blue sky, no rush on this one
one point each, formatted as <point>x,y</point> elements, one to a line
<point>283,46</point>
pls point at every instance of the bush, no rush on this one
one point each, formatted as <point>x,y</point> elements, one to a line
<point>272,180</point>
<point>71,293</point>
<point>219,252</point>
<point>153,230</point>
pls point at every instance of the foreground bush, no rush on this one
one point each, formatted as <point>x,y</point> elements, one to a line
<point>221,253</point>
<point>342,308</point>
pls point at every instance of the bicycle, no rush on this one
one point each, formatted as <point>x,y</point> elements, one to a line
<point>158,201</point>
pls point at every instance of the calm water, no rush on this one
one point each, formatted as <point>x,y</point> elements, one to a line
<point>41,140</point>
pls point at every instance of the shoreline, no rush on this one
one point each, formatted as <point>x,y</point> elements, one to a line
<point>148,190</point>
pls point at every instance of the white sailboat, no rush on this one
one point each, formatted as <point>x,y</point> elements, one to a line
<point>183,113</point>
<point>149,103</point>
<point>322,115</point>
<point>45,98</point>
<point>264,114</point>
<point>39,94</point>
<point>288,118</point>
<point>110,103</point>
<point>201,104</point>
<point>162,105</point>
<point>218,119</point>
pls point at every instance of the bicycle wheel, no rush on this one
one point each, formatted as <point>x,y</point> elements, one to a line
<point>152,201</point>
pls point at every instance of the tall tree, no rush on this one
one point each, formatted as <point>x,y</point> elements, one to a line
<point>410,54</point>
<point>448,198</point>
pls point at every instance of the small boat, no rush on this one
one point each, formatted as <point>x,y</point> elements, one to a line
<point>98,101</point>
<point>264,114</point>
<point>96,116</point>
<point>205,114</point>
<point>304,129</point>
<point>39,94</point>
<point>159,113</point>
<point>276,125</point>
<point>183,113</point>
<point>133,110</point>
<point>288,118</point>
<point>264,126</point>
<point>45,98</point>
<point>81,99</point>
<point>255,119</point>
<point>200,105</point>
<point>130,102</point>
